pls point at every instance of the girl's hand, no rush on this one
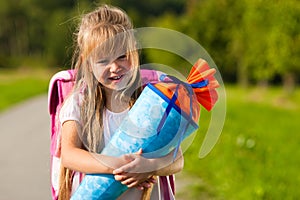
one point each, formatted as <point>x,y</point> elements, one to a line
<point>137,173</point>
<point>147,183</point>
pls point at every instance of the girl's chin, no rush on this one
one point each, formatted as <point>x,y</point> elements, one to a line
<point>117,86</point>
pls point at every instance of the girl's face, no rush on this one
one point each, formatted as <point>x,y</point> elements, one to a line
<point>114,72</point>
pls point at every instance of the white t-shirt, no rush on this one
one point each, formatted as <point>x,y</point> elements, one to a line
<point>111,122</point>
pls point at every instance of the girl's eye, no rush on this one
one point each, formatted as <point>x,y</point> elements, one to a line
<point>103,62</point>
<point>122,57</point>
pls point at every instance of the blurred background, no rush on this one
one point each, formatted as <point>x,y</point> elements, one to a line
<point>256,47</point>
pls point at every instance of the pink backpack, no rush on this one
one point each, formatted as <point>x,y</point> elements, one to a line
<point>60,86</point>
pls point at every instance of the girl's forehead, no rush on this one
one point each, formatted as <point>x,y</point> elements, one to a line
<point>106,49</point>
<point>110,53</point>
<point>112,45</point>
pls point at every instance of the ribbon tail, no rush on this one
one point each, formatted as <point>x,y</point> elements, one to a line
<point>180,140</point>
<point>168,109</point>
<point>184,129</point>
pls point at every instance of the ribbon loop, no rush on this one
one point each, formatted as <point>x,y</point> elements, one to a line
<point>189,88</point>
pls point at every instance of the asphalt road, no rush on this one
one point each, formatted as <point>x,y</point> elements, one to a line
<point>24,151</point>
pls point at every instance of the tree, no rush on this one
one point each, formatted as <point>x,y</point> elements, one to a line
<point>284,42</point>
<point>255,39</point>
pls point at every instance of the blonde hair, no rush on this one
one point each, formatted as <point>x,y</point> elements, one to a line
<point>105,30</point>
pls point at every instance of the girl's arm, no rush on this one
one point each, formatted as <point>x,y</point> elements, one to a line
<point>78,159</point>
<point>171,166</point>
<point>141,169</point>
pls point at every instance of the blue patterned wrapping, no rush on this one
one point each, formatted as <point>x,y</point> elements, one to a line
<point>139,130</point>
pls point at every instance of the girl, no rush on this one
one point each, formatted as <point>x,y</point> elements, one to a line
<point>107,84</point>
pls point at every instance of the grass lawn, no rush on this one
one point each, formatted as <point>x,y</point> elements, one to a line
<point>18,85</point>
<point>257,156</point>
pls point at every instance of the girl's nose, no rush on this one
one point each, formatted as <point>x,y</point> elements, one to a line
<point>114,67</point>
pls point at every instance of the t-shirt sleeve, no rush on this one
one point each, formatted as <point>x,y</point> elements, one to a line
<point>70,109</point>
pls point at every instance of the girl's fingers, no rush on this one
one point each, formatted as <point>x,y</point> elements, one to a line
<point>139,187</point>
<point>132,162</point>
<point>140,151</point>
<point>117,171</point>
<point>120,177</point>
<point>152,180</point>
<point>145,184</point>
<point>130,182</point>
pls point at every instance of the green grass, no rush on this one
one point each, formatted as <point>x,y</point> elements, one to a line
<point>258,154</point>
<point>19,85</point>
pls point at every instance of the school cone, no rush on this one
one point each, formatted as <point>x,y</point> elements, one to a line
<point>162,117</point>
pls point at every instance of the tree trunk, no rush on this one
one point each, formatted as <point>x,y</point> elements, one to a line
<point>289,82</point>
<point>242,76</point>
<point>264,83</point>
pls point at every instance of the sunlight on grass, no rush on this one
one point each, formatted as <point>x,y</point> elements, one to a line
<point>257,155</point>
<point>21,84</point>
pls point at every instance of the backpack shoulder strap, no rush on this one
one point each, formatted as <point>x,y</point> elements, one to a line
<point>167,187</point>
<point>150,76</point>
<point>60,85</point>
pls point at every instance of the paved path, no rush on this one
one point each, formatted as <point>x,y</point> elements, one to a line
<point>24,151</point>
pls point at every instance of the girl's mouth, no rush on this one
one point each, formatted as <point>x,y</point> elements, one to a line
<point>115,78</point>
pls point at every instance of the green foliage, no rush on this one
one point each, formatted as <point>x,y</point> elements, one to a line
<point>142,12</point>
<point>58,47</point>
<point>257,155</point>
<point>251,41</point>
